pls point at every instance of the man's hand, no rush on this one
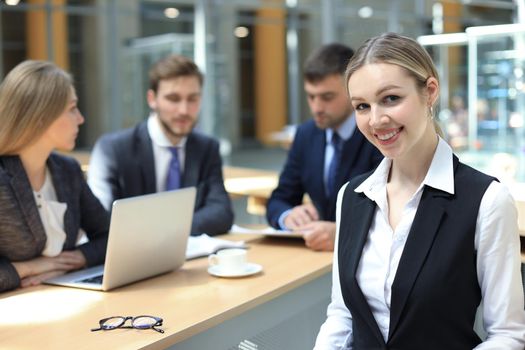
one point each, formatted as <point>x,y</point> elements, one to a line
<point>36,270</point>
<point>319,235</point>
<point>300,216</point>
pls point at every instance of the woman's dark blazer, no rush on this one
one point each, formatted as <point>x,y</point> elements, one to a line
<point>22,235</point>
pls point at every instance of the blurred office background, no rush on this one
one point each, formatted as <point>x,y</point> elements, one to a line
<point>252,52</point>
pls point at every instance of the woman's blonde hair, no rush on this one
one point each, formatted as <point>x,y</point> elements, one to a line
<point>402,51</point>
<point>32,96</point>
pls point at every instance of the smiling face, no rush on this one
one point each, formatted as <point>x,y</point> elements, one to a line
<point>391,110</point>
<point>177,104</point>
<point>328,101</point>
<point>63,132</point>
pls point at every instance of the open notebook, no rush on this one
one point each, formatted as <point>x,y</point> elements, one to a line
<point>205,245</point>
<point>267,231</point>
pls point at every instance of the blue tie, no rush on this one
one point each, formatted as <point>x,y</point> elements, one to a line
<point>337,143</point>
<point>173,178</point>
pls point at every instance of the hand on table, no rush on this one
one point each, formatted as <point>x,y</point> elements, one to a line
<point>34,271</point>
<point>319,235</point>
<point>300,216</point>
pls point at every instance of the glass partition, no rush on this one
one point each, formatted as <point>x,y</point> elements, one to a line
<point>483,99</point>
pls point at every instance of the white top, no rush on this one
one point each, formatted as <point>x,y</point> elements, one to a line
<point>498,259</point>
<point>161,152</point>
<point>52,215</point>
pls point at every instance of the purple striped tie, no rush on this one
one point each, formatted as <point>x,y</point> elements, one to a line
<point>173,178</point>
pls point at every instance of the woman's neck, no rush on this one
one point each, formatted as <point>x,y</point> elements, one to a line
<point>411,170</point>
<point>34,159</point>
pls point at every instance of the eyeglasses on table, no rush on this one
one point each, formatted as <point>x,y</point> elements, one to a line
<point>137,322</point>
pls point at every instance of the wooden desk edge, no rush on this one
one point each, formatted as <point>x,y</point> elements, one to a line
<point>239,309</point>
<point>234,312</point>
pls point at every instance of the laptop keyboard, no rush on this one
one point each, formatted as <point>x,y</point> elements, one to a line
<point>95,280</point>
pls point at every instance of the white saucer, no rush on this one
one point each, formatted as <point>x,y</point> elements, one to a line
<point>249,269</point>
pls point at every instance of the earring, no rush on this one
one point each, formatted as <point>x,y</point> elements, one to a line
<point>431,113</point>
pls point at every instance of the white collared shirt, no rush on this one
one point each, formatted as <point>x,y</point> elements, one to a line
<point>52,215</point>
<point>161,151</point>
<point>498,259</point>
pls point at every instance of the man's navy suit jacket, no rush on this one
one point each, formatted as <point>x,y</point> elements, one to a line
<point>122,165</point>
<point>304,171</point>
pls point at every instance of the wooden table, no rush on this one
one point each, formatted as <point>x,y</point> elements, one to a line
<point>255,184</point>
<point>196,307</point>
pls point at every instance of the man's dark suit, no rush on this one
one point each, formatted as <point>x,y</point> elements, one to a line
<point>122,165</point>
<point>304,171</point>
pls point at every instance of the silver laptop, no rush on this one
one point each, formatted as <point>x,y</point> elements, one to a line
<point>148,236</point>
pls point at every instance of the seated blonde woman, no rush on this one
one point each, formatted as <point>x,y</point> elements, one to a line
<point>44,199</point>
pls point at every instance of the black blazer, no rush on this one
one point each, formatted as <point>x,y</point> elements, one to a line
<point>122,166</point>
<point>435,292</point>
<point>304,171</point>
<point>22,235</point>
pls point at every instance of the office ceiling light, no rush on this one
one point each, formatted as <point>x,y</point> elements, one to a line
<point>241,32</point>
<point>365,12</point>
<point>12,2</point>
<point>171,12</point>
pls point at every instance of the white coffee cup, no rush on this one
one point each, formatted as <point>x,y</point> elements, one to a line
<point>231,260</point>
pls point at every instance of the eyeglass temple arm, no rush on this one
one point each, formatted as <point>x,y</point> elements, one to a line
<point>157,329</point>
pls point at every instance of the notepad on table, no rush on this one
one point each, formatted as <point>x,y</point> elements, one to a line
<point>267,231</point>
<point>205,245</point>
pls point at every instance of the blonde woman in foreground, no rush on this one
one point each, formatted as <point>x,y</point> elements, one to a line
<point>423,239</point>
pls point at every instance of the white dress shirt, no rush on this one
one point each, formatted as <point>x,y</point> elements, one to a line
<point>498,259</point>
<point>161,152</point>
<point>52,215</point>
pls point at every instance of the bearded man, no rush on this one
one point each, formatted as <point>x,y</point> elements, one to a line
<point>164,152</point>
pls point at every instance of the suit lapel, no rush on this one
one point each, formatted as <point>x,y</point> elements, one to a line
<point>145,159</point>
<point>23,193</point>
<point>193,153</point>
<point>348,157</point>
<point>350,152</point>
<point>419,242</point>
<point>316,155</point>
<point>361,216</point>
<point>63,191</point>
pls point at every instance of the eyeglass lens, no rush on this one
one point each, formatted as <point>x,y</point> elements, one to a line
<point>143,322</point>
<point>113,322</point>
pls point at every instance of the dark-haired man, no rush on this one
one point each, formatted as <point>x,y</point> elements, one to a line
<point>326,152</point>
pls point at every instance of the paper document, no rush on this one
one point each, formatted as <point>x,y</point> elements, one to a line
<point>267,231</point>
<point>205,245</point>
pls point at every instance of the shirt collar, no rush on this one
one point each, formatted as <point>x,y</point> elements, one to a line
<point>345,131</point>
<point>440,175</point>
<point>157,135</point>
<point>441,172</point>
